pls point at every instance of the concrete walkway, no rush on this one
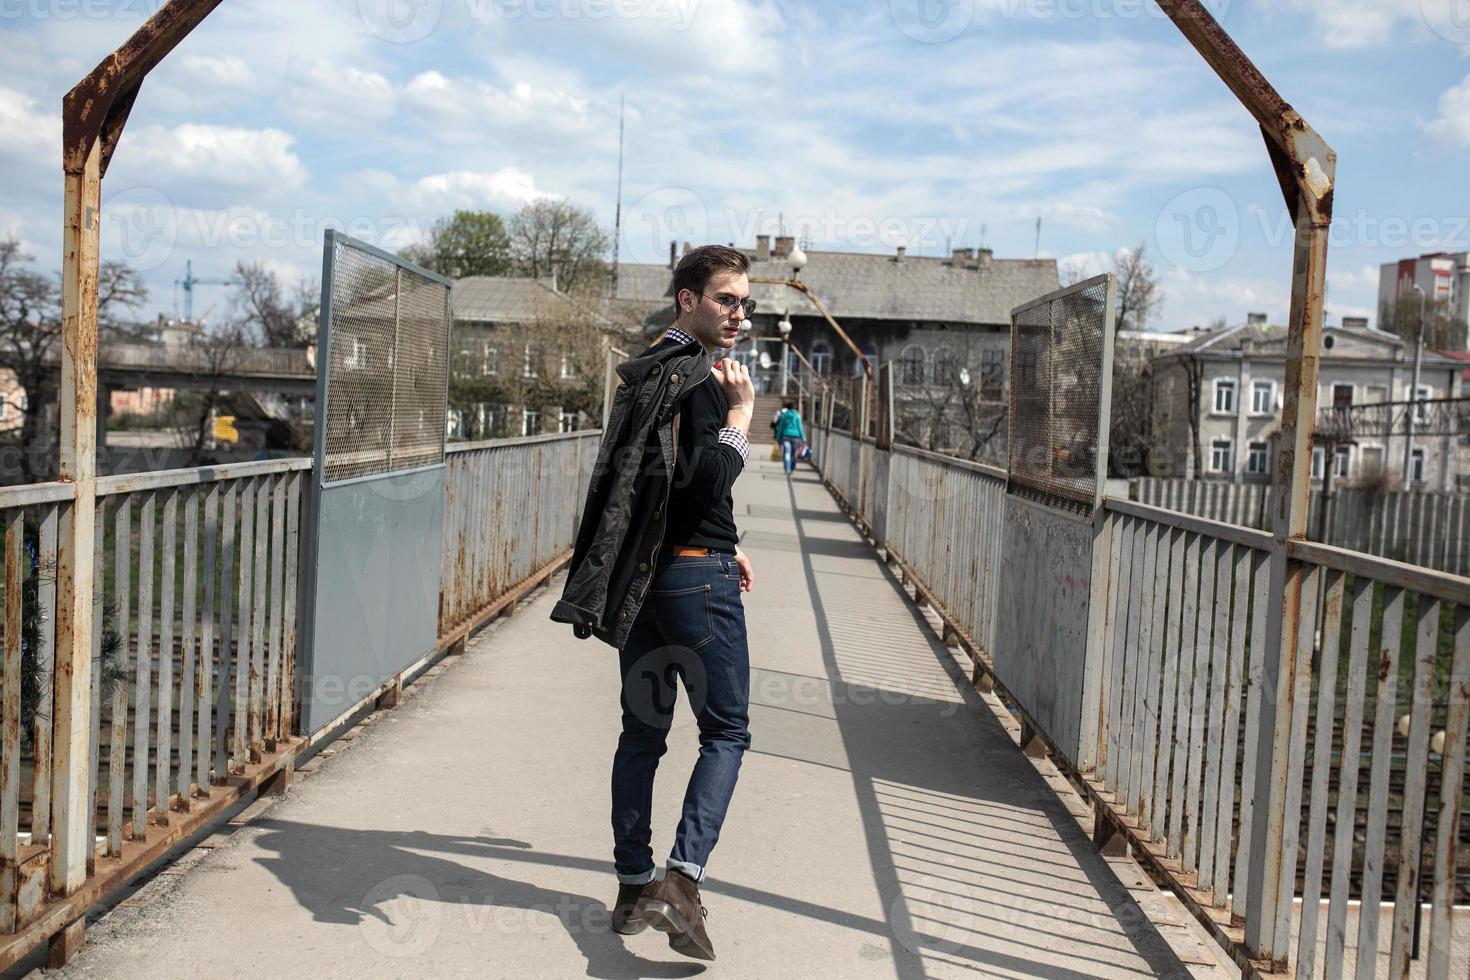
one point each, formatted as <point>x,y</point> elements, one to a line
<point>885,823</point>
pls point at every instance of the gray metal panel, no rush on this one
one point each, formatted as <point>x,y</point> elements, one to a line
<point>1041,639</point>
<point>377,539</point>
<point>375,528</point>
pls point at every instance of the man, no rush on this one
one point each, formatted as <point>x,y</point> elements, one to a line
<point>691,625</point>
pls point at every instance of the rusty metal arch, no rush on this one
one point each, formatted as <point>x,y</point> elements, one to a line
<point>95,112</point>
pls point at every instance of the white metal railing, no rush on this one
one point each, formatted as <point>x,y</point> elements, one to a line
<point>1375,864</point>
<point>195,693</point>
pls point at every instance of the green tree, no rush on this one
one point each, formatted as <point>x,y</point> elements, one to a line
<point>466,243</point>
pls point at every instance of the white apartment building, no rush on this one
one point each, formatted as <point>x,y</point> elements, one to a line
<point>1230,383</point>
<point>1444,278</point>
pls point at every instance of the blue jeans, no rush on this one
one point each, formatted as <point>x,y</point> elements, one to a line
<point>691,629</point>
<point>788,452</point>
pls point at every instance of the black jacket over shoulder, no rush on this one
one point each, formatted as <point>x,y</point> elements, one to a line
<point>627,499</point>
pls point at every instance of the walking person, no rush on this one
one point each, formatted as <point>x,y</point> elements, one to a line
<point>656,572</point>
<point>790,435</point>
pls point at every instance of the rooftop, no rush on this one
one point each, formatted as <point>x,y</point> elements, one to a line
<point>507,299</point>
<point>968,288</point>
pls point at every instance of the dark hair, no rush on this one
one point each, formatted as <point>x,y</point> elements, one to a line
<point>790,405</point>
<point>697,265</point>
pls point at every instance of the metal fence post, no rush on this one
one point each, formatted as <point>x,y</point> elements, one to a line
<point>70,761</point>
<point>1306,168</point>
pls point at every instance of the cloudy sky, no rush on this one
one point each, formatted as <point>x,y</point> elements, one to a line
<point>928,123</point>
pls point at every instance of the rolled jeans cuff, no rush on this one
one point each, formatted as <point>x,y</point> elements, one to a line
<point>688,869</point>
<point>642,878</point>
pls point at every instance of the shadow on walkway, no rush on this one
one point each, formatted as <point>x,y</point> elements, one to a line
<point>398,896</point>
<point>979,864</point>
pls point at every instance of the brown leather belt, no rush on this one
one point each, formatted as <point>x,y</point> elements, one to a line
<point>685,551</point>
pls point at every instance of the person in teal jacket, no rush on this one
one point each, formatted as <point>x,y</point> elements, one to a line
<point>789,434</point>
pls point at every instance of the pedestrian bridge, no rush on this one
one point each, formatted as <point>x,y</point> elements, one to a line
<point>888,820</point>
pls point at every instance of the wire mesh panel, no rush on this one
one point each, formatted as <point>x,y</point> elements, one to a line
<point>387,337</point>
<point>1060,362</point>
<point>375,537</point>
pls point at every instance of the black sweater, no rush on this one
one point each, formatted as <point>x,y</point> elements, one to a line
<point>701,509</point>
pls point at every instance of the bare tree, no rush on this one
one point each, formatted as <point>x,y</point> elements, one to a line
<point>30,334</point>
<point>267,312</point>
<point>551,236</point>
<point>958,409</point>
<point>1140,294</point>
<point>217,354</point>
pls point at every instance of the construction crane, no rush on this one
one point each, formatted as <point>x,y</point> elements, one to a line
<point>189,281</point>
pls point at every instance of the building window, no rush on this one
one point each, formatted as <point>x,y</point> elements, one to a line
<point>530,368</point>
<point>1258,459</point>
<point>530,422</point>
<point>1421,411</point>
<point>1342,462</point>
<point>1263,397</point>
<point>1342,396</point>
<point>944,366</point>
<point>490,359</point>
<point>568,370</point>
<point>484,420</point>
<point>992,374</point>
<point>1318,462</point>
<point>1224,396</point>
<point>1370,459</point>
<point>1416,466</point>
<point>1222,456</point>
<point>569,421</point>
<point>821,359</point>
<point>911,366</point>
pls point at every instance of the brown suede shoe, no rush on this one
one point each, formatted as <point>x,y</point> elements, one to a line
<point>671,905</point>
<point>627,915</point>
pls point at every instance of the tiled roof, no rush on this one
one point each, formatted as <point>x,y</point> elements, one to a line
<point>1261,338</point>
<point>880,287</point>
<point>505,299</point>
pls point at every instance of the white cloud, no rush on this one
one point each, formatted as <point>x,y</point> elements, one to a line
<point>1453,122</point>
<point>30,132</point>
<point>223,71</point>
<point>480,106</point>
<point>504,189</point>
<point>323,95</point>
<point>1353,23</point>
<point>222,155</point>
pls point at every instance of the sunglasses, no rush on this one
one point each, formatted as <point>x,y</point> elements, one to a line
<point>728,304</point>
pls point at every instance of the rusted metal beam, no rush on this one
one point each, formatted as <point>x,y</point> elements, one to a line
<point>1306,169</point>
<point>95,111</point>
<point>802,288</point>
